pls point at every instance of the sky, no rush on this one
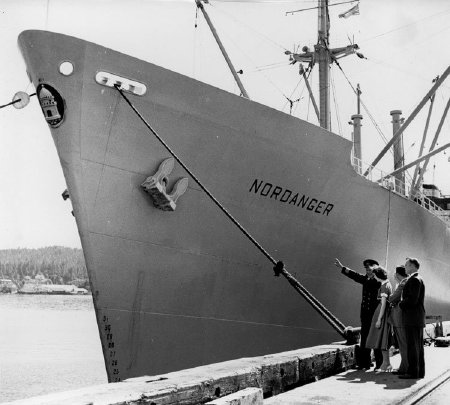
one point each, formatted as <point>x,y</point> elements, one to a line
<point>405,43</point>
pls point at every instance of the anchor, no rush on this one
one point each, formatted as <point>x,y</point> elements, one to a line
<point>156,185</point>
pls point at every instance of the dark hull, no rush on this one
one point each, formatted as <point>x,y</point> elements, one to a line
<point>178,289</point>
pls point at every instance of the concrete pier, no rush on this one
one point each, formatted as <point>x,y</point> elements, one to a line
<point>369,387</point>
<point>273,374</point>
<point>315,375</point>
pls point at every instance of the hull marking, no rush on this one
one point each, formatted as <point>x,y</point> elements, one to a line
<point>52,105</point>
<point>284,195</point>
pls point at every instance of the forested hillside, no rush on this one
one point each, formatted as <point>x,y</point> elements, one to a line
<point>62,265</point>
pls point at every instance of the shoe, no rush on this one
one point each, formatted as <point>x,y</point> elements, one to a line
<point>386,369</point>
<point>362,368</point>
<point>408,377</point>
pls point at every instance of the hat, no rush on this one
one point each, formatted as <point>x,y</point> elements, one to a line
<point>370,262</point>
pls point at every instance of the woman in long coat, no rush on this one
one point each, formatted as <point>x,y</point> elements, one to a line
<point>395,318</point>
<point>379,334</point>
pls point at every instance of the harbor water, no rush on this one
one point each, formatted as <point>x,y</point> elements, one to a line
<point>48,343</point>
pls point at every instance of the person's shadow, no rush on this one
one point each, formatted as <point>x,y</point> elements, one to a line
<point>389,380</point>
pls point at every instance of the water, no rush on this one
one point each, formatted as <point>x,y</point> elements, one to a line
<point>48,343</point>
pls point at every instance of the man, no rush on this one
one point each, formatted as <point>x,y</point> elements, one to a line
<point>413,319</point>
<point>369,303</point>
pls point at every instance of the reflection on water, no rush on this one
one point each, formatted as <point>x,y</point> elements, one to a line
<point>48,343</point>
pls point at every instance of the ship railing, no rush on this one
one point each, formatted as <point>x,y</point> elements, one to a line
<point>401,188</point>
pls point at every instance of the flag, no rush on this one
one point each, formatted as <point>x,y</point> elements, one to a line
<point>353,11</point>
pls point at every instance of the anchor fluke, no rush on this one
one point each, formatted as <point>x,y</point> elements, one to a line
<point>156,186</point>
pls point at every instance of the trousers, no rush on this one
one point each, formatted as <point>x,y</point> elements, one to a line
<point>414,351</point>
<point>400,335</point>
<point>363,358</point>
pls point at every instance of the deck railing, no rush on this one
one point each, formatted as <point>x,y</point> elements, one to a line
<point>402,189</point>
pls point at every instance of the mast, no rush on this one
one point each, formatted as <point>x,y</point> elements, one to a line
<point>356,122</point>
<point>324,55</point>
<point>422,145</point>
<point>409,120</point>
<point>433,144</point>
<point>222,49</point>
<point>311,95</point>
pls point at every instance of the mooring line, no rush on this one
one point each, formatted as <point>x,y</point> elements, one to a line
<point>15,101</point>
<point>279,265</point>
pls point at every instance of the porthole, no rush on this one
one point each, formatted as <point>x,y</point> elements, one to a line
<point>66,68</point>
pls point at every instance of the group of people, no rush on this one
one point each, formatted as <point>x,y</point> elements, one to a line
<point>389,317</point>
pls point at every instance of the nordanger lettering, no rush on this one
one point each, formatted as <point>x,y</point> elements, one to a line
<point>284,195</point>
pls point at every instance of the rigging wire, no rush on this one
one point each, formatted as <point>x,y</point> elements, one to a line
<point>388,227</point>
<point>315,8</point>
<point>270,66</point>
<point>405,26</point>
<point>338,119</point>
<point>195,45</point>
<point>230,16</point>
<point>380,132</point>
<point>308,72</point>
<point>251,60</point>
<point>404,49</point>
<point>372,119</point>
<point>46,14</point>
<point>292,102</point>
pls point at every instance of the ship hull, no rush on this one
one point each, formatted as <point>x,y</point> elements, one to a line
<point>178,289</point>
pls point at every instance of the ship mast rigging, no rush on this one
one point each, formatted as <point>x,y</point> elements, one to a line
<point>324,56</point>
<point>408,121</point>
<point>221,47</point>
<point>422,145</point>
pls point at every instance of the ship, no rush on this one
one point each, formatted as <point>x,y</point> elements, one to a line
<point>41,285</point>
<point>181,193</point>
<point>7,286</point>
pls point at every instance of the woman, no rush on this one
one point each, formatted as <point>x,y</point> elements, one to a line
<point>395,318</point>
<point>378,337</point>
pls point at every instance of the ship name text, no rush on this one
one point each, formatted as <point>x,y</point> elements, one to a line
<point>284,195</point>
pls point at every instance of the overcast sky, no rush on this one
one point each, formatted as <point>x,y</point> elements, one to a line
<point>405,43</point>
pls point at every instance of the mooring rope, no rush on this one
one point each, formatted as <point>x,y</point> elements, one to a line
<point>15,101</point>
<point>279,265</point>
<point>388,226</point>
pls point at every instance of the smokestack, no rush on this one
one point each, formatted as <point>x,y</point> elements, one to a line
<point>357,151</point>
<point>399,158</point>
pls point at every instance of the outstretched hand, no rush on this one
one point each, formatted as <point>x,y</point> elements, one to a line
<point>337,263</point>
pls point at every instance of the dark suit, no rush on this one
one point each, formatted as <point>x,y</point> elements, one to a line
<point>369,303</point>
<point>413,318</point>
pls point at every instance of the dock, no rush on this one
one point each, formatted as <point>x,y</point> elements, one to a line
<point>323,374</point>
<point>357,387</point>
